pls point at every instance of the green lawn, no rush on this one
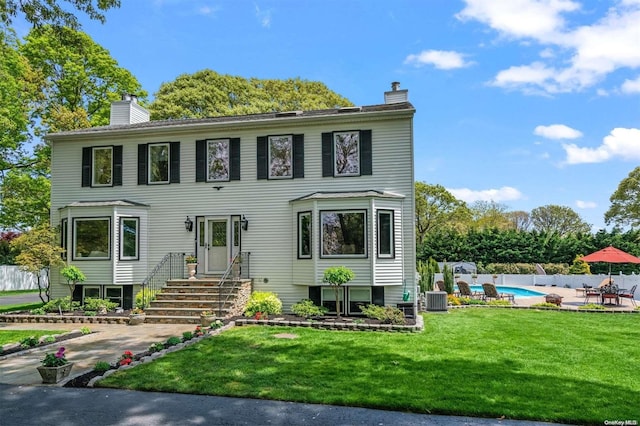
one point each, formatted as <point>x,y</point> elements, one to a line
<point>522,364</point>
<point>16,336</point>
<point>20,307</point>
<point>16,292</point>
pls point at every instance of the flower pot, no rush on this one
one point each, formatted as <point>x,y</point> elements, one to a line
<point>137,319</point>
<point>191,268</point>
<point>207,320</point>
<point>51,375</point>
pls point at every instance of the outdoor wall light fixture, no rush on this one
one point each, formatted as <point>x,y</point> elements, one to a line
<point>188,224</point>
<point>245,223</point>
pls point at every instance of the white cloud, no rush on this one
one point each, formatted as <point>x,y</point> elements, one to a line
<point>506,193</point>
<point>557,131</point>
<point>631,86</point>
<point>584,55</point>
<point>441,59</point>
<point>620,143</point>
<point>263,16</point>
<point>586,204</point>
<point>206,10</point>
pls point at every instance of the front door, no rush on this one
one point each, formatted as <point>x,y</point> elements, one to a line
<point>219,242</point>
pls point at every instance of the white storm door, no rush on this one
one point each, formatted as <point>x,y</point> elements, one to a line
<point>217,245</point>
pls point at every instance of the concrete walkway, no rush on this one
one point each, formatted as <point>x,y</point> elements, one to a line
<point>571,299</point>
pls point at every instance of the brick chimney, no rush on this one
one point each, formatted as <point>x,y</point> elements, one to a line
<point>127,111</point>
<point>396,95</point>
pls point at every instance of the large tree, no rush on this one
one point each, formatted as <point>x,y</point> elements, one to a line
<point>209,94</point>
<point>559,219</point>
<point>625,202</point>
<point>437,208</point>
<point>54,12</point>
<point>490,215</point>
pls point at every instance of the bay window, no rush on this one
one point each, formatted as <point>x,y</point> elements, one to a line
<point>343,233</point>
<point>91,238</point>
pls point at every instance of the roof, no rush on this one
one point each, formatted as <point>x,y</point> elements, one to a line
<point>272,116</point>
<point>108,203</point>
<point>348,194</point>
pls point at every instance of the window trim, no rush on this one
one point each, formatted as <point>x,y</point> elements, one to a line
<point>121,255</point>
<point>74,237</point>
<point>64,230</point>
<point>86,287</point>
<point>149,163</point>
<point>331,291</point>
<point>360,288</point>
<point>392,246</point>
<point>94,149</point>
<point>300,245</point>
<point>290,159</point>
<point>364,230</point>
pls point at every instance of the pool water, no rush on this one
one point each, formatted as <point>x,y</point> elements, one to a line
<point>516,291</point>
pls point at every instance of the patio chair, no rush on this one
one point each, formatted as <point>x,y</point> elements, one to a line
<point>440,285</point>
<point>629,295</point>
<point>491,292</point>
<point>610,292</point>
<point>592,292</point>
<point>465,291</point>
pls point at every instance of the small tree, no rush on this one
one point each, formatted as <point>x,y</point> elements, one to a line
<point>447,277</point>
<point>39,251</point>
<point>73,275</point>
<point>579,267</point>
<point>336,277</point>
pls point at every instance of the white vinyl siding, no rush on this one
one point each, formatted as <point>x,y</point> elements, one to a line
<point>272,234</point>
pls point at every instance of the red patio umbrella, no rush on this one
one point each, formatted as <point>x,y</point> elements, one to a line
<point>610,255</point>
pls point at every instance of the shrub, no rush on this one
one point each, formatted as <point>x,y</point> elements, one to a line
<point>49,339</point>
<point>453,300</point>
<point>592,306</point>
<point>102,366</point>
<point>545,305</point>
<point>37,311</point>
<point>156,347</point>
<point>148,294</point>
<point>90,313</point>
<point>187,335</point>
<point>385,314</point>
<point>29,342</point>
<point>470,301</point>
<point>61,304</point>
<point>95,304</point>
<point>307,309</point>
<point>85,330</point>
<point>173,340</point>
<point>265,302</point>
<point>499,303</point>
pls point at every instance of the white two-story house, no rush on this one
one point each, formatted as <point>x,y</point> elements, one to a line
<point>297,192</point>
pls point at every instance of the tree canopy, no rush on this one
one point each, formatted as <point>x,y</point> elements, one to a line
<point>42,12</point>
<point>560,219</point>
<point>209,94</point>
<point>625,202</point>
<point>437,208</point>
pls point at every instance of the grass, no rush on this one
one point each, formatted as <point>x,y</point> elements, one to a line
<point>16,336</point>
<point>16,292</point>
<point>538,365</point>
<point>20,307</point>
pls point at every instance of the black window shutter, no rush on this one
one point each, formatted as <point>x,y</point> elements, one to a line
<point>298,156</point>
<point>117,165</point>
<point>377,295</point>
<point>201,161</point>
<point>142,164</point>
<point>86,166</point>
<point>365,153</point>
<point>327,154</point>
<point>234,160</point>
<point>314,295</point>
<point>261,160</point>
<point>174,159</point>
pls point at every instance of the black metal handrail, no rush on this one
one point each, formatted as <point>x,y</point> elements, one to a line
<point>238,270</point>
<point>171,266</point>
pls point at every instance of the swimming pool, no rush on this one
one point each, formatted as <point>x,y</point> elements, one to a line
<point>516,291</point>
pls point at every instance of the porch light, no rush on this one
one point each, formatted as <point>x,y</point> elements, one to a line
<point>188,224</point>
<point>245,223</point>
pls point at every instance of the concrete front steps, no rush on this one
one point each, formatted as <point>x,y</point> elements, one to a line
<point>182,301</point>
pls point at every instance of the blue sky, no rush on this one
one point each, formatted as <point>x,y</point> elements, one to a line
<point>524,102</point>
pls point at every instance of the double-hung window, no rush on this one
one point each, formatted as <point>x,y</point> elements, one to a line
<point>129,238</point>
<point>280,156</point>
<point>346,153</point>
<point>343,233</point>
<point>218,160</point>
<point>159,163</point>
<point>91,238</point>
<point>102,166</point>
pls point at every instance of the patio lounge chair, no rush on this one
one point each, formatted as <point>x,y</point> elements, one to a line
<point>465,291</point>
<point>440,286</point>
<point>629,295</point>
<point>491,292</point>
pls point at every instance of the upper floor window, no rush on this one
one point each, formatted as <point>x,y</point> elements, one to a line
<point>343,233</point>
<point>91,238</point>
<point>217,160</point>
<point>159,163</point>
<point>280,157</point>
<point>102,166</point>
<point>346,153</point>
